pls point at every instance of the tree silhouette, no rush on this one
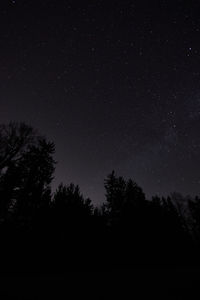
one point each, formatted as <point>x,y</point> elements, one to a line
<point>115,191</point>
<point>27,171</point>
<point>68,200</point>
<point>125,207</point>
<point>35,169</point>
<point>122,197</point>
<point>14,139</point>
<point>71,210</point>
<point>194,209</point>
<point>66,229</point>
<point>72,217</point>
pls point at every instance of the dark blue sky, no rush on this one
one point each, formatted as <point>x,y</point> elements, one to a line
<point>115,84</point>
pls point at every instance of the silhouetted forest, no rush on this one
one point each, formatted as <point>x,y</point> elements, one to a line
<point>57,231</point>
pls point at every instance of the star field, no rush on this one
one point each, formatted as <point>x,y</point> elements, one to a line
<point>115,84</point>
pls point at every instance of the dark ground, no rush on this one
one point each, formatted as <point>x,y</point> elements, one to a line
<point>142,283</point>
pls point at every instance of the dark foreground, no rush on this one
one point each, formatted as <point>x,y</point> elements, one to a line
<point>137,283</point>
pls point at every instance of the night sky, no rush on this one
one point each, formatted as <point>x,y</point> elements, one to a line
<point>115,84</point>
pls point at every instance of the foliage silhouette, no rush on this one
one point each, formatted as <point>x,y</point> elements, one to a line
<point>65,230</point>
<point>14,139</point>
<point>28,169</point>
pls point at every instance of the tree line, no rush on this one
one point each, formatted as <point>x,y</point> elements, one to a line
<point>63,229</point>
